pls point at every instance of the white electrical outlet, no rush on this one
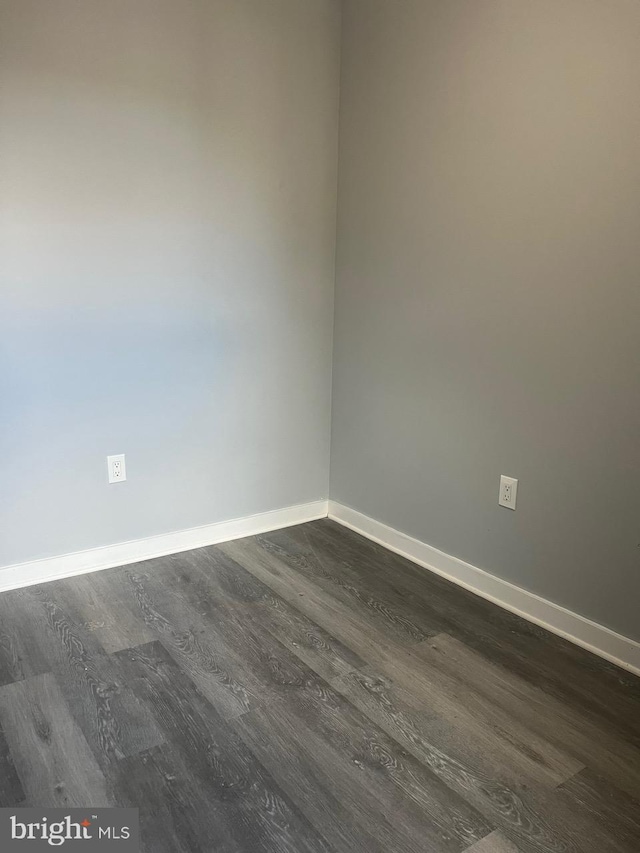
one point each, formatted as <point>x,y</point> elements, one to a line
<point>116,468</point>
<point>508,492</point>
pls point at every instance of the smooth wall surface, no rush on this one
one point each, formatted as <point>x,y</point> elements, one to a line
<point>488,298</point>
<point>167,239</point>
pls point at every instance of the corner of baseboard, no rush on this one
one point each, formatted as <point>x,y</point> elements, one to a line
<point>617,649</point>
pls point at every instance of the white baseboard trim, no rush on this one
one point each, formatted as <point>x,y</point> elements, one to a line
<point>602,641</point>
<point>110,556</point>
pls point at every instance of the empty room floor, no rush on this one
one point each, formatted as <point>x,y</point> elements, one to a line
<point>307,690</point>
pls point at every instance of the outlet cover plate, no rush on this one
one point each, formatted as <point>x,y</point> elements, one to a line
<point>508,492</point>
<point>116,468</point>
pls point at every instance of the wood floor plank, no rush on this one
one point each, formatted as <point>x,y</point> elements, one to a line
<point>613,809</point>
<point>288,685</point>
<point>341,813</point>
<point>216,582</point>
<point>485,736</point>
<point>528,812</point>
<point>543,714</point>
<point>471,768</point>
<point>579,679</point>
<point>20,655</point>
<point>52,758</point>
<point>112,720</point>
<point>444,604</point>
<point>494,843</point>
<point>441,692</point>
<point>351,626</point>
<point>476,717</point>
<point>505,803</point>
<point>362,571</point>
<point>11,790</point>
<point>98,600</point>
<point>224,651</point>
<point>212,658</point>
<point>363,749</point>
<point>176,815</point>
<point>426,599</point>
<point>586,685</point>
<point>292,547</point>
<point>243,799</point>
<point>403,816</point>
<point>358,619</point>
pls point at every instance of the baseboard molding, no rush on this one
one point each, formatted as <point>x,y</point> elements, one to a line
<point>83,562</point>
<point>622,651</point>
<point>602,641</point>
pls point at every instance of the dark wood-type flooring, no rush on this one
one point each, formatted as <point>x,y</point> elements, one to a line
<point>307,690</point>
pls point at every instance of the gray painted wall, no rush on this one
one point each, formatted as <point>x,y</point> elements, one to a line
<point>488,287</point>
<point>167,241</point>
